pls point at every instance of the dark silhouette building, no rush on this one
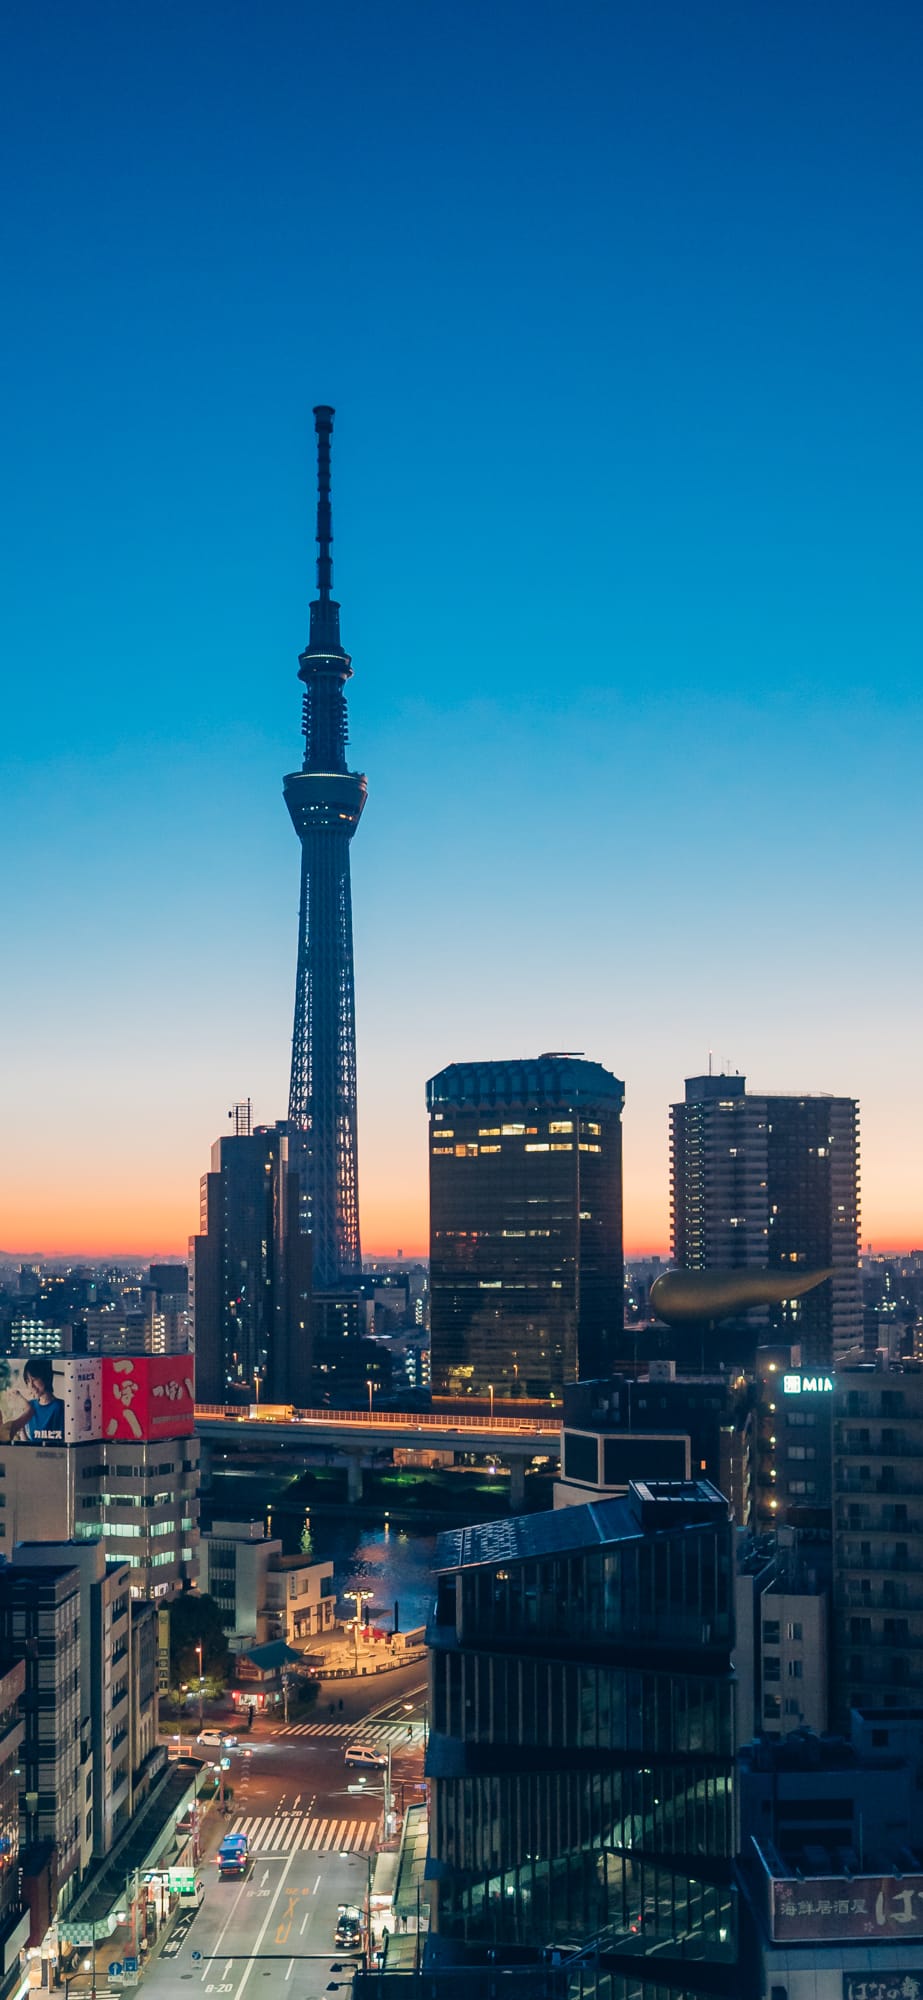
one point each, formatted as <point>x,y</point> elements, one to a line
<point>325,801</point>
<point>766,1180</point>
<point>581,1754</point>
<point>525,1225</point>
<point>878,1538</point>
<point>251,1270</point>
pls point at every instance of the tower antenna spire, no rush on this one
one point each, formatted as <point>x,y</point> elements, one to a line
<point>325,612</point>
<point>325,800</point>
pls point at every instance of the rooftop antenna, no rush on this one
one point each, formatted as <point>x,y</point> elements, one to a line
<point>709,1061</point>
<point>325,612</point>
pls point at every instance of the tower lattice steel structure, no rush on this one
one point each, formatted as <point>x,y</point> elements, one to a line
<point>325,801</point>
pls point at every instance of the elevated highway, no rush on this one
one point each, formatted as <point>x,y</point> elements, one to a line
<point>355,1433</point>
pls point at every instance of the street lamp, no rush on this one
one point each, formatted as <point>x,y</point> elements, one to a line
<point>358,1597</point>
<point>490,1391</point>
<point>369,1386</point>
<point>201,1685</point>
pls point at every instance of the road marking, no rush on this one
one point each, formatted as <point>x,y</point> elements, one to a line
<point>379,1732</point>
<point>289,1972</point>
<point>306,1919</point>
<point>316,1887</point>
<point>229,1920</point>
<point>248,1968</point>
<point>270,1839</point>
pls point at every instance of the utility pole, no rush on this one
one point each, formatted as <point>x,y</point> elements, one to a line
<point>201,1686</point>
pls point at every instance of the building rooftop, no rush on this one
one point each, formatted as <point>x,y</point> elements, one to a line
<point>276,1653</point>
<point>548,1079</point>
<point>278,1563</point>
<point>662,1504</point>
<point>802,1750</point>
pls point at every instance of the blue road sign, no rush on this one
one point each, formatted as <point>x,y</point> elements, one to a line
<point>131,1965</point>
<point>197,1955</point>
<point>116,1969</point>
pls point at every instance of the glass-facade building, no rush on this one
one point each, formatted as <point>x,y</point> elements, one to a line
<point>581,1756</point>
<point>525,1225</point>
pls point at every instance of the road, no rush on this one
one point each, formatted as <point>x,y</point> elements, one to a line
<point>313,1832</point>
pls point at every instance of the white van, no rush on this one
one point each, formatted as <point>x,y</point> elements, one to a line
<point>366,1757</point>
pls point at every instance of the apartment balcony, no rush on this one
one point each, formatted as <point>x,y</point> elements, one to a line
<point>884,1522</point>
<point>883,1597</point>
<point>908,1482</point>
<point>846,1447</point>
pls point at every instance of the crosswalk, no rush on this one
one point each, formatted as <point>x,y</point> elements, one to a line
<point>293,1833</point>
<point>363,1732</point>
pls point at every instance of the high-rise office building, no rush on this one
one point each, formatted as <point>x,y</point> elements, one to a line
<point>771,1180</point>
<point>325,800</point>
<point>251,1273</point>
<point>581,1754</point>
<point>525,1225</point>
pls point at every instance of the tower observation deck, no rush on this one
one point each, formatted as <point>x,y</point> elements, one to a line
<point>325,801</point>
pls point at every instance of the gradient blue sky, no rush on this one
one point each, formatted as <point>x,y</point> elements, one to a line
<point>620,308</point>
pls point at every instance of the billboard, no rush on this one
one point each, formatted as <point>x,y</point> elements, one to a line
<point>147,1396</point>
<point>898,1983</point>
<point>814,1908</point>
<point>50,1399</point>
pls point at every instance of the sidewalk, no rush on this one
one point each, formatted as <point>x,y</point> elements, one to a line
<point>334,1657</point>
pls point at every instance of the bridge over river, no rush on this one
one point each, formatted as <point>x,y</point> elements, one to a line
<point>354,1434</point>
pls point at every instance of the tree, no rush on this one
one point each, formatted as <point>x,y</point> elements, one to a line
<point>196,1620</point>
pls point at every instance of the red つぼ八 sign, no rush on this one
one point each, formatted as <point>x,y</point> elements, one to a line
<point>148,1396</point>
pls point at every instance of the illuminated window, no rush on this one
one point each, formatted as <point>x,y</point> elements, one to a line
<point>590,1127</point>
<point>446,1133</point>
<point>465,1152</point>
<point>489,1132</point>
<point>512,1131</point>
<point>586,1147</point>
<point>562,1146</point>
<point>445,1149</point>
<point>490,1149</point>
<point>541,1147</point>
<point>561,1125</point>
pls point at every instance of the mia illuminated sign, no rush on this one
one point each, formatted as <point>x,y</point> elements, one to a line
<point>807,1385</point>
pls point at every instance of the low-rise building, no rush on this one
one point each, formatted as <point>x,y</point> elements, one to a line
<point>821,1924</point>
<point>663,1426</point>
<point>263,1594</point>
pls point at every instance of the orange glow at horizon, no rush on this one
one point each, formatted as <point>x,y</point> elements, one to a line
<point>106,1218</point>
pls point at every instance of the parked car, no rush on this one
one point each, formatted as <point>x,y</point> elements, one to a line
<point>366,1757</point>
<point>348,1933</point>
<point>212,1737</point>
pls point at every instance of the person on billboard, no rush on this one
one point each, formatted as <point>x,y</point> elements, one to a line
<point>42,1419</point>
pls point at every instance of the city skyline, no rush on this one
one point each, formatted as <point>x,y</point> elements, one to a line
<point>624,359</point>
